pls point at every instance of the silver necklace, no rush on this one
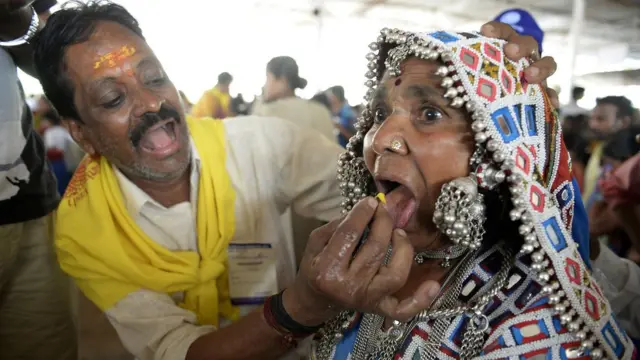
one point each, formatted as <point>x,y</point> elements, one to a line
<point>446,254</point>
<point>386,347</point>
<point>473,337</point>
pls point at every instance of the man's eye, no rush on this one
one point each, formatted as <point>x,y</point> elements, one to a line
<point>157,81</point>
<point>112,103</point>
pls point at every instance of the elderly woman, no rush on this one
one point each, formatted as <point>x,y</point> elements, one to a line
<point>470,158</point>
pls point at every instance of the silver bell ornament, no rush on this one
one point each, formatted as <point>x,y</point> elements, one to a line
<point>460,212</point>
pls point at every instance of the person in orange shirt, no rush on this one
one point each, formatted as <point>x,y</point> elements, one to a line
<point>215,103</point>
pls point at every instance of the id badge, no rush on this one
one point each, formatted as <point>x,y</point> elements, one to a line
<point>252,273</point>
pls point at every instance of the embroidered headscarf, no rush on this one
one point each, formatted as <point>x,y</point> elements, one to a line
<point>518,145</point>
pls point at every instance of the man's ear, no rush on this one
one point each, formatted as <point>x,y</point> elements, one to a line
<point>77,131</point>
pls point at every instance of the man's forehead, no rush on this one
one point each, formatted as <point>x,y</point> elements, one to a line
<point>109,31</point>
<point>96,56</point>
<point>107,39</point>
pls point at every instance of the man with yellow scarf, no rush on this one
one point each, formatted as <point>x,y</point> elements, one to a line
<point>165,210</point>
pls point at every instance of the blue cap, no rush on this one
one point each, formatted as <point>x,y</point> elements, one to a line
<point>522,22</point>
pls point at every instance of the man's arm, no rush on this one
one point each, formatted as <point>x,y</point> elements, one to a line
<point>344,131</point>
<point>346,126</point>
<point>152,327</point>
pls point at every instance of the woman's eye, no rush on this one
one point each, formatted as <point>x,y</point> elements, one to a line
<point>379,115</point>
<point>430,114</point>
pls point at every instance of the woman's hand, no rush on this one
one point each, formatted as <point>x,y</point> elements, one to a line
<point>331,278</point>
<point>521,46</point>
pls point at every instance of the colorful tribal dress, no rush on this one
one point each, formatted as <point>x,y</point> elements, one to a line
<point>537,301</point>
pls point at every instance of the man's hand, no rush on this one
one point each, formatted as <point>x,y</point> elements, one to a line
<point>520,46</point>
<point>14,20</point>
<point>8,6</point>
<point>331,278</point>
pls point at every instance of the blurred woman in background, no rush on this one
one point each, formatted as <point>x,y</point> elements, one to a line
<point>279,100</point>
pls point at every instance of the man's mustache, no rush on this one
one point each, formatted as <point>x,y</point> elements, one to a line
<point>150,119</point>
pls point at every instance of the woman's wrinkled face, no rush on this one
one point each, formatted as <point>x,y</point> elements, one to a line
<point>417,143</point>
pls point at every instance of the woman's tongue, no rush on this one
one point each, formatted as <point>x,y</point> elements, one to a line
<point>157,138</point>
<point>401,205</point>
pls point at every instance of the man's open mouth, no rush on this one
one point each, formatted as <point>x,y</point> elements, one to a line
<point>160,137</point>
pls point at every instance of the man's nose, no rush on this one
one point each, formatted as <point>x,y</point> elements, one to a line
<point>147,102</point>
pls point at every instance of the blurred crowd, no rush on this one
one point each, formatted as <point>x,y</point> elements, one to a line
<point>604,143</point>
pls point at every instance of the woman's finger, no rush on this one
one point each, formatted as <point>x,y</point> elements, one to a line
<point>540,70</point>
<point>496,29</point>
<point>518,46</point>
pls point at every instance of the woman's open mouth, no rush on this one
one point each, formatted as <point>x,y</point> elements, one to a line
<point>401,201</point>
<point>161,140</point>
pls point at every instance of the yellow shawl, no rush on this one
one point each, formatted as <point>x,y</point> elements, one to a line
<point>109,256</point>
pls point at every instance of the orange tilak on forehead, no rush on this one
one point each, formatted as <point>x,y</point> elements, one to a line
<point>116,58</point>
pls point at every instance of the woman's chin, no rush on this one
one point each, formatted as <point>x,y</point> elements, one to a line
<point>421,234</point>
<point>413,228</point>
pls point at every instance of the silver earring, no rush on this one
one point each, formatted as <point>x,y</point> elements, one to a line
<point>460,212</point>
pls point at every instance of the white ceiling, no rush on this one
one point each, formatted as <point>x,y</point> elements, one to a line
<point>197,39</point>
<point>608,22</point>
<point>609,41</point>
